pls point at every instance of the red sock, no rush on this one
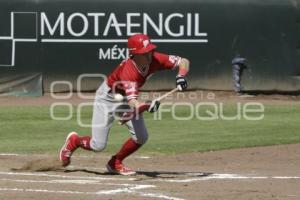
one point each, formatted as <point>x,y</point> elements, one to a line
<point>129,147</point>
<point>84,142</point>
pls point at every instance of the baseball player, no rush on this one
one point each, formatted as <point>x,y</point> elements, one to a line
<point>238,66</point>
<point>126,79</point>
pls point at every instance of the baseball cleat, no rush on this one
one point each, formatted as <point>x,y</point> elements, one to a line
<point>68,148</point>
<point>116,166</point>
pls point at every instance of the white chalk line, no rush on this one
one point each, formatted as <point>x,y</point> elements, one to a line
<point>131,191</point>
<point>161,196</point>
<point>63,176</point>
<point>202,178</point>
<point>8,154</point>
<point>45,191</point>
<point>80,182</point>
<point>225,177</point>
<point>126,190</point>
<point>110,192</point>
<point>129,188</point>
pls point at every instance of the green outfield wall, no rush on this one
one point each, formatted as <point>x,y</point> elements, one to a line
<point>51,40</point>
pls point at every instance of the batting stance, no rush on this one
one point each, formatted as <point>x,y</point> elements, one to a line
<point>129,76</point>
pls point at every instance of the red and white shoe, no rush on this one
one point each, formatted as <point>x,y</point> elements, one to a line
<point>68,148</point>
<point>116,166</point>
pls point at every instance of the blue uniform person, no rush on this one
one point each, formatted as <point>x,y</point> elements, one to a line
<point>238,66</point>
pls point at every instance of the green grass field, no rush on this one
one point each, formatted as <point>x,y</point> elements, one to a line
<point>29,129</point>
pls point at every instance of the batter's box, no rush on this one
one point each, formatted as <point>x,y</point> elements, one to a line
<point>25,25</point>
<point>6,48</point>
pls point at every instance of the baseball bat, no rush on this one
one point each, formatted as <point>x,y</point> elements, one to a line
<point>166,94</point>
<point>160,98</point>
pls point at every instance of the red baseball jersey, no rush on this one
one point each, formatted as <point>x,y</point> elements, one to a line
<point>127,78</point>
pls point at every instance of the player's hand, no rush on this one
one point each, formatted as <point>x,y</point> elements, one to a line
<point>239,61</point>
<point>154,105</point>
<point>181,83</point>
<point>127,116</point>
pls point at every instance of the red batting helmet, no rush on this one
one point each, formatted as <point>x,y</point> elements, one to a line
<point>140,44</point>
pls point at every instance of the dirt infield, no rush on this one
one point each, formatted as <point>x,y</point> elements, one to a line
<point>266,173</point>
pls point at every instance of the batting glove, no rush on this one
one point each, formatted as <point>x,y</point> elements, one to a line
<point>181,83</point>
<point>127,116</point>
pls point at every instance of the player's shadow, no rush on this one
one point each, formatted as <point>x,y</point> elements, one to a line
<point>150,174</point>
<point>173,174</point>
<point>87,171</point>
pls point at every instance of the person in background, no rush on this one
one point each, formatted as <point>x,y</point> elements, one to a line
<point>238,66</point>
